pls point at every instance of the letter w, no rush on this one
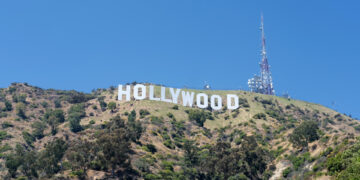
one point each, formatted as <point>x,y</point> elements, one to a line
<point>187,98</point>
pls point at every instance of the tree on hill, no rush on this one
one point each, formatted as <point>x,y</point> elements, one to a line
<point>199,116</point>
<point>74,122</point>
<point>102,103</point>
<point>135,128</point>
<point>38,129</point>
<point>132,116</point>
<point>50,158</point>
<point>221,161</point>
<point>75,97</point>
<point>54,118</point>
<point>305,133</point>
<point>8,106</point>
<point>111,106</point>
<point>114,146</point>
<point>82,154</point>
<point>20,110</point>
<point>24,160</point>
<point>75,113</point>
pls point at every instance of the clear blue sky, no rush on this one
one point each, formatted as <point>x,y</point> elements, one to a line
<point>313,46</point>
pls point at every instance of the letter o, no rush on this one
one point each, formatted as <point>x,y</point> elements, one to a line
<point>219,102</point>
<point>198,100</point>
<point>136,92</point>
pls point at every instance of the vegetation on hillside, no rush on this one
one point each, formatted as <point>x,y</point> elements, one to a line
<point>49,134</point>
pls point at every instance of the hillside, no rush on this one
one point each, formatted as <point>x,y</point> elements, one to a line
<point>56,134</point>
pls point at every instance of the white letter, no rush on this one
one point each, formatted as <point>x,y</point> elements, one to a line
<point>151,97</point>
<point>121,92</point>
<point>198,100</point>
<point>163,96</point>
<point>136,92</point>
<point>174,95</point>
<point>187,98</point>
<point>236,101</point>
<point>219,102</point>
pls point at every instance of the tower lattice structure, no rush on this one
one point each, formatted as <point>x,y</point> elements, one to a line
<point>263,83</point>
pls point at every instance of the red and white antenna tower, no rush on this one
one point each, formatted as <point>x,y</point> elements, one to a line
<point>265,74</point>
<point>263,83</point>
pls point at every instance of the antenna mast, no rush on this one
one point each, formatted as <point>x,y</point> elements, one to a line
<point>265,74</point>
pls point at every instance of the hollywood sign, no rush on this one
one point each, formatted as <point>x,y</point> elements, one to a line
<point>139,92</point>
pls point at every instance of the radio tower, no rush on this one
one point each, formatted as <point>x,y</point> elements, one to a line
<point>263,83</point>
<point>265,76</point>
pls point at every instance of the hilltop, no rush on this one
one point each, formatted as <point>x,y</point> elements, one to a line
<point>57,134</point>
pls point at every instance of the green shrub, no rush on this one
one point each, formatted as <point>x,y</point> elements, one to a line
<point>57,114</point>
<point>57,103</point>
<point>12,89</point>
<point>5,148</point>
<point>238,177</point>
<point>44,104</point>
<point>38,129</point>
<point>74,123</point>
<point>168,143</point>
<point>102,103</point>
<point>357,128</point>
<point>92,122</point>
<point>8,105</point>
<point>20,110</point>
<point>132,116</point>
<point>175,107</point>
<point>286,172</point>
<point>260,116</point>
<point>151,148</point>
<point>170,115</point>
<point>244,103</point>
<point>142,165</point>
<point>4,135</point>
<point>327,151</point>
<point>316,167</point>
<point>77,110</point>
<point>29,139</point>
<point>266,101</point>
<point>299,161</point>
<point>111,106</point>
<point>74,97</point>
<point>273,114</point>
<point>252,121</point>
<point>143,113</point>
<point>6,124</point>
<point>152,177</point>
<point>167,165</point>
<point>235,114</point>
<point>156,120</point>
<point>12,163</point>
<point>19,98</point>
<point>339,117</point>
<point>78,173</point>
<point>276,153</point>
<point>3,114</point>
